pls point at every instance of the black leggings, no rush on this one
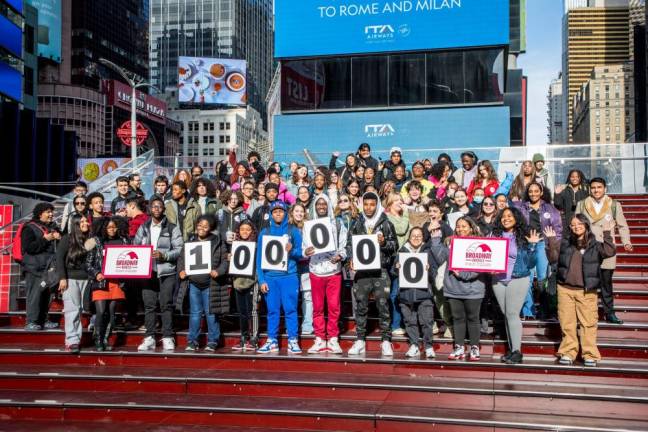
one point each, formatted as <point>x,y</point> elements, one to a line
<point>465,313</point>
<point>105,320</point>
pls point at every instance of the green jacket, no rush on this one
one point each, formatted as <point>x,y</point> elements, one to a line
<point>192,213</point>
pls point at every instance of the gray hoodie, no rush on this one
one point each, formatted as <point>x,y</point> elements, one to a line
<point>460,285</point>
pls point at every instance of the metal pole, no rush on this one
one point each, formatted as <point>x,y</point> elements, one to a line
<point>133,123</point>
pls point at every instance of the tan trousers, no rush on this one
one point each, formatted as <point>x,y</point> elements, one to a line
<point>578,307</point>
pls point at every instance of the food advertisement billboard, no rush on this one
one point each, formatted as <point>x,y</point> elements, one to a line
<point>212,81</point>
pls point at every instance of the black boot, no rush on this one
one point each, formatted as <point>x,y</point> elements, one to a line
<point>612,318</point>
<point>515,358</point>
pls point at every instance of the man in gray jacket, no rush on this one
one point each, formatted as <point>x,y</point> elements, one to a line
<point>167,242</point>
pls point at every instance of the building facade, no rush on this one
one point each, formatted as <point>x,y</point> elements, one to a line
<point>208,135</point>
<point>237,29</point>
<point>555,103</point>
<point>604,106</point>
<point>595,32</point>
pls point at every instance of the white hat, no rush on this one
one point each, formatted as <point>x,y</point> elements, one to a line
<point>395,150</point>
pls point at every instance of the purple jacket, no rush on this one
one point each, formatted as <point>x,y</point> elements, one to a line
<point>549,216</point>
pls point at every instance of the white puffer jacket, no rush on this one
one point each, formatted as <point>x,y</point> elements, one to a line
<point>320,264</point>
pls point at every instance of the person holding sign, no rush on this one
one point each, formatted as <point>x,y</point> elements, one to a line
<point>325,270</point>
<point>105,292</point>
<point>203,278</point>
<point>416,304</point>
<point>372,221</point>
<point>464,291</point>
<point>166,240</point>
<point>281,288</point>
<point>246,291</point>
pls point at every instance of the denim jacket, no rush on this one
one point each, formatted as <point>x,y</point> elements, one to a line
<point>524,261</point>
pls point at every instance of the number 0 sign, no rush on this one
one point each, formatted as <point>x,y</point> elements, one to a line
<point>243,258</point>
<point>318,233</point>
<point>197,256</point>
<point>273,253</point>
<point>412,272</point>
<point>366,252</point>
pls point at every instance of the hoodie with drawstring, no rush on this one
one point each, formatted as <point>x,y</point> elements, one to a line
<point>283,286</point>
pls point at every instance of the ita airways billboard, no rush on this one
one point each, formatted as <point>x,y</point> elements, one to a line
<point>336,27</point>
<point>212,81</point>
<point>49,28</point>
<point>419,129</point>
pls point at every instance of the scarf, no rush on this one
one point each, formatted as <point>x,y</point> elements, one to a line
<point>590,209</point>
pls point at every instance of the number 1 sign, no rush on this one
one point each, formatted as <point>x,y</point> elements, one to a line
<point>198,258</point>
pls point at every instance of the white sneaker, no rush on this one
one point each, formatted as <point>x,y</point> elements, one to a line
<point>148,344</point>
<point>387,349</point>
<point>318,347</point>
<point>334,346</point>
<point>357,348</point>
<point>448,333</point>
<point>398,332</point>
<point>413,351</point>
<point>429,352</point>
<point>168,344</point>
<point>435,328</point>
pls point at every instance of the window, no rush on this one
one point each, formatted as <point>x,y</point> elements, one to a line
<point>205,126</point>
<point>204,152</point>
<point>221,139</point>
<point>221,152</point>
<point>227,126</point>
<point>445,78</point>
<point>205,139</point>
<point>335,91</point>
<point>29,39</point>
<point>407,79</point>
<point>221,126</point>
<point>227,139</point>
<point>28,84</point>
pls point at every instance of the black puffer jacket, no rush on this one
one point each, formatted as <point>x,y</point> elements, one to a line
<point>593,256</point>
<point>218,290</point>
<point>415,295</point>
<point>387,250</point>
<point>37,251</point>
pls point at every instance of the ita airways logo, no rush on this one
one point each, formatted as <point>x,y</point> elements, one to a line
<point>379,32</point>
<point>127,261</point>
<point>379,130</point>
<point>479,254</point>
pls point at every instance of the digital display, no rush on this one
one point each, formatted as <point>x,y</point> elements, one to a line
<point>10,36</point>
<point>212,81</point>
<point>16,4</point>
<point>336,27</point>
<point>49,28</point>
<point>10,82</point>
<point>409,129</point>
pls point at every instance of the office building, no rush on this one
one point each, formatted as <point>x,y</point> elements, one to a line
<point>208,135</point>
<point>595,32</point>
<point>235,29</point>
<point>555,103</point>
<point>604,106</point>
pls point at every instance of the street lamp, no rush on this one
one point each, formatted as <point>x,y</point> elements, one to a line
<point>134,85</point>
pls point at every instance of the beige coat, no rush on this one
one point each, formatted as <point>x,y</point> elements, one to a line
<point>586,208</point>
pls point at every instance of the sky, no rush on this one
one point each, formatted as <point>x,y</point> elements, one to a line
<point>541,62</point>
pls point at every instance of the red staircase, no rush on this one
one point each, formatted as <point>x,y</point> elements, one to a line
<point>43,388</point>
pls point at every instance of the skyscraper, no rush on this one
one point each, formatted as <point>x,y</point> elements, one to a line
<point>555,129</point>
<point>213,28</point>
<point>595,32</point>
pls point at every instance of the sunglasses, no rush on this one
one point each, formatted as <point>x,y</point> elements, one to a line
<point>79,203</point>
<point>488,204</point>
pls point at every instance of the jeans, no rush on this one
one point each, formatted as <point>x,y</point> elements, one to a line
<point>540,271</point>
<point>72,305</point>
<point>394,307</point>
<point>159,290</point>
<point>307,302</point>
<point>199,304</point>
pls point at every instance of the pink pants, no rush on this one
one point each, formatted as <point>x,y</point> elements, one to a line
<point>326,287</point>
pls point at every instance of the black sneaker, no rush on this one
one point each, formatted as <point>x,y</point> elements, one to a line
<point>73,349</point>
<point>515,358</point>
<point>211,347</point>
<point>506,357</point>
<point>191,346</point>
<point>613,319</point>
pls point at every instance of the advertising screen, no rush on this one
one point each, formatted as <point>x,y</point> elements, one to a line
<point>328,27</point>
<point>10,82</point>
<point>90,170</point>
<point>49,28</point>
<point>17,5</point>
<point>212,81</point>
<point>466,128</point>
<point>10,36</point>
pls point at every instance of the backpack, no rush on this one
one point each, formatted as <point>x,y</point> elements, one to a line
<point>16,246</point>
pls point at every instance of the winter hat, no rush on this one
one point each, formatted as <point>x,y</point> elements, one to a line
<point>395,150</point>
<point>277,205</point>
<point>538,158</point>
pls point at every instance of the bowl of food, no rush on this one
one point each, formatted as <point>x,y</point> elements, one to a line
<point>235,81</point>
<point>217,70</point>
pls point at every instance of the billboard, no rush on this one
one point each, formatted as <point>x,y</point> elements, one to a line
<point>17,5</point>
<point>10,36</point>
<point>466,128</point>
<point>10,82</point>
<point>150,107</point>
<point>90,170</point>
<point>328,27</point>
<point>49,28</point>
<point>212,81</point>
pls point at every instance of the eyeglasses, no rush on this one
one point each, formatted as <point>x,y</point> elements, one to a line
<point>416,236</point>
<point>488,204</point>
<point>79,203</point>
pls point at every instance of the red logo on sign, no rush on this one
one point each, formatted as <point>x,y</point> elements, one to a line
<point>479,253</point>
<point>124,133</point>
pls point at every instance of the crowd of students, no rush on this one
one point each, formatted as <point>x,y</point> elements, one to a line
<point>561,254</point>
